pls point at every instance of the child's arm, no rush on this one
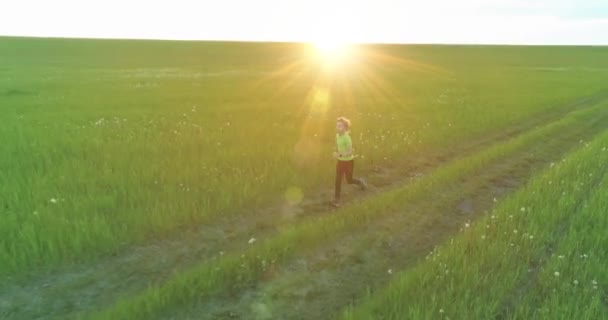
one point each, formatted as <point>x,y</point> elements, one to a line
<point>335,153</point>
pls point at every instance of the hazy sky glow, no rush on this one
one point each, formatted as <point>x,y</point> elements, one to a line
<point>430,21</point>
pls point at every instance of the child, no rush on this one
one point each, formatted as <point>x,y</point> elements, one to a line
<point>345,157</point>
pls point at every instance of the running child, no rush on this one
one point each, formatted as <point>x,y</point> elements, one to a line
<point>345,159</point>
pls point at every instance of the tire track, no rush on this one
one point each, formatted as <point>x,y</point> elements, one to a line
<point>326,280</point>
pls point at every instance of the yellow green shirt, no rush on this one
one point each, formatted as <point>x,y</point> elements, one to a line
<point>343,143</point>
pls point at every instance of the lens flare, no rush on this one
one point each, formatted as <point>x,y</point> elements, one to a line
<point>294,195</point>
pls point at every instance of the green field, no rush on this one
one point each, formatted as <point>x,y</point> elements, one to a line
<point>190,180</point>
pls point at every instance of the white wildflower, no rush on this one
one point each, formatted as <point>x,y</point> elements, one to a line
<point>251,241</point>
<point>53,200</point>
<point>556,274</point>
<point>575,282</point>
<point>390,271</point>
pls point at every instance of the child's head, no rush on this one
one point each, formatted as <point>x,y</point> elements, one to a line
<point>342,125</point>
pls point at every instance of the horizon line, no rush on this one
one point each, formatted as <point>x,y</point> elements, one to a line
<point>261,41</point>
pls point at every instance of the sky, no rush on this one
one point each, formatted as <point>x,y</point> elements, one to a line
<point>378,21</point>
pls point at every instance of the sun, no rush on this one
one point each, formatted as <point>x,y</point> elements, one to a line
<point>332,51</point>
<point>330,47</point>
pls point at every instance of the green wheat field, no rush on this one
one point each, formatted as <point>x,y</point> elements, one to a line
<point>190,180</point>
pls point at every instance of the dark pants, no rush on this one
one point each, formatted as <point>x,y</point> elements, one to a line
<point>344,168</point>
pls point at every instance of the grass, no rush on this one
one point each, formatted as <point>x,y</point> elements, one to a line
<point>536,256</point>
<point>241,269</point>
<point>111,143</point>
<point>572,283</point>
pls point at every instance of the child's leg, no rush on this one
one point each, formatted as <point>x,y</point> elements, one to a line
<point>339,173</point>
<point>349,173</point>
